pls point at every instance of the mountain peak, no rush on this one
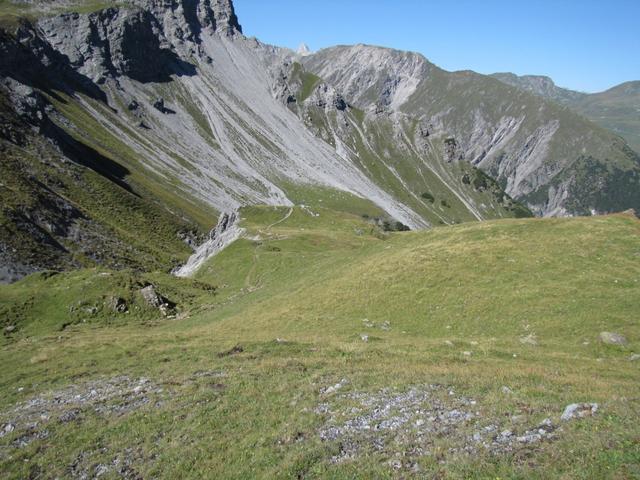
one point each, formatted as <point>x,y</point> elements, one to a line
<point>304,50</point>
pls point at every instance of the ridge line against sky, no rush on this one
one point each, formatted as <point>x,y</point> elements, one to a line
<point>589,45</point>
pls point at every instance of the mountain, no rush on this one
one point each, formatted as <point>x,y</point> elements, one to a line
<point>616,109</point>
<point>539,152</point>
<point>127,130</point>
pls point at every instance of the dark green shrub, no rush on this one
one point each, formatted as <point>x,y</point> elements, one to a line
<point>427,196</point>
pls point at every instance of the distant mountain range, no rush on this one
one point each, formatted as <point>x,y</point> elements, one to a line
<point>617,109</point>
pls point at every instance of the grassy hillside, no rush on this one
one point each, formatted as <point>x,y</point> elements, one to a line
<point>617,109</point>
<point>440,341</point>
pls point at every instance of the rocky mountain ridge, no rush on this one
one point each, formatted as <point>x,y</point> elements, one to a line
<point>535,149</point>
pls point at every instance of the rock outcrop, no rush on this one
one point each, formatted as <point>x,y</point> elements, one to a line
<point>224,234</point>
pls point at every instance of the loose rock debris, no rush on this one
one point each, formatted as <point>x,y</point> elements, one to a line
<point>28,420</point>
<point>403,426</point>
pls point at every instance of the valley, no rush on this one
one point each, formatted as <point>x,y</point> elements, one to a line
<point>221,258</point>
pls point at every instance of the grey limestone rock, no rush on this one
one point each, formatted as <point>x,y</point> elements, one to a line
<point>579,410</point>
<point>611,338</point>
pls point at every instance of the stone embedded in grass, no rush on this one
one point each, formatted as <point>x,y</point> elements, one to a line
<point>6,429</point>
<point>506,390</point>
<point>365,338</point>
<point>634,357</point>
<point>611,338</point>
<point>334,388</point>
<point>579,410</point>
<point>69,416</point>
<point>234,351</point>
<point>530,339</point>
<point>467,354</point>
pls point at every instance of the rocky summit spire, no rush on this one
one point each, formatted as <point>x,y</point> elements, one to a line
<point>225,16</point>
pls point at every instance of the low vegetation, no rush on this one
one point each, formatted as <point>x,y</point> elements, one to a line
<point>457,346</point>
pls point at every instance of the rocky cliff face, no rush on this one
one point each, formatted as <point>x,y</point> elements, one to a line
<point>147,43</point>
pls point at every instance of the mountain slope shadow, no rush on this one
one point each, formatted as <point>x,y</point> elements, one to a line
<point>86,156</point>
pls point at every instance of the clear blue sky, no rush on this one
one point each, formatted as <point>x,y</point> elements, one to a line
<point>584,45</point>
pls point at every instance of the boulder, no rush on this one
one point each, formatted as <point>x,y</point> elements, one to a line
<point>117,304</point>
<point>579,410</point>
<point>152,297</point>
<point>610,338</point>
<point>155,300</point>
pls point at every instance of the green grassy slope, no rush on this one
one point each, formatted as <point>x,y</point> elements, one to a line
<point>526,299</point>
<point>617,109</point>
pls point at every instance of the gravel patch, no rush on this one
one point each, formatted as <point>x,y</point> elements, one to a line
<point>28,421</point>
<point>403,425</point>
